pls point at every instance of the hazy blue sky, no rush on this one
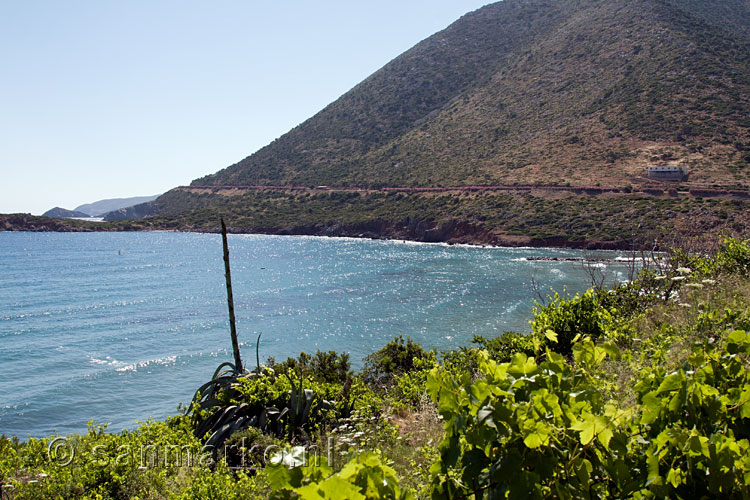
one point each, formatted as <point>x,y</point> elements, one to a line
<point>106,99</point>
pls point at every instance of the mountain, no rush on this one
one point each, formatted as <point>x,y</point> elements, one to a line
<point>64,213</point>
<point>102,207</point>
<point>138,211</point>
<point>532,91</point>
<point>525,122</point>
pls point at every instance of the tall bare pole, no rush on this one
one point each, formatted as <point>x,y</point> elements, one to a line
<point>230,300</point>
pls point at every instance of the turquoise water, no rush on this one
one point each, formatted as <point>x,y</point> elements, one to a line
<point>120,327</point>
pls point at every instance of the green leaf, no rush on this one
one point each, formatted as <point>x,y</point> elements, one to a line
<point>611,349</point>
<point>281,477</point>
<point>652,405</point>
<point>450,450</point>
<point>745,404</point>
<point>310,492</point>
<point>551,403</point>
<point>484,416</point>
<point>480,391</point>
<point>677,402</point>
<point>551,336</point>
<point>738,341</point>
<point>335,488</point>
<point>653,470</point>
<point>697,445</point>
<point>583,470</point>
<point>538,436</point>
<point>675,477</point>
<point>588,354</point>
<point>474,462</point>
<point>605,435</point>
<point>592,426</point>
<point>522,365</point>
<point>671,382</point>
<point>537,343</point>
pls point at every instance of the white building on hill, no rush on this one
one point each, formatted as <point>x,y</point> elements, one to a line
<point>679,173</point>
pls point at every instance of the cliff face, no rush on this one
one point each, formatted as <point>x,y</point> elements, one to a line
<point>525,91</point>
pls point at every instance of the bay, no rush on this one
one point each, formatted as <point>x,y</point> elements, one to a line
<point>122,327</point>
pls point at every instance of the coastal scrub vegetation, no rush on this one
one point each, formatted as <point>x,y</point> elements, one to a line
<point>637,391</point>
<point>494,217</point>
<point>510,218</point>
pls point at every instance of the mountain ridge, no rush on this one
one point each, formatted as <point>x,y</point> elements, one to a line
<point>102,207</point>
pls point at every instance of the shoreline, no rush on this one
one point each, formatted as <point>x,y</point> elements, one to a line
<point>450,233</point>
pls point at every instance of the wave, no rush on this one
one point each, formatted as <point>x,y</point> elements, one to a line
<point>77,309</point>
<point>165,361</point>
<point>107,361</point>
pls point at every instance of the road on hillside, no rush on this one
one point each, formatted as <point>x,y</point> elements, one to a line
<point>651,190</point>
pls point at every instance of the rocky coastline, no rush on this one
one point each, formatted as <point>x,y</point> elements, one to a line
<point>451,232</point>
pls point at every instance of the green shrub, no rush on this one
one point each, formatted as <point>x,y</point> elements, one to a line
<point>330,367</point>
<point>208,484</point>
<point>634,297</point>
<point>397,357</point>
<point>528,429</point>
<point>580,315</point>
<point>693,424</point>
<point>410,388</point>
<point>151,460</point>
<point>275,392</point>
<point>525,429</point>
<point>267,389</point>
<point>463,359</point>
<point>247,448</point>
<point>502,348</point>
<point>733,257</point>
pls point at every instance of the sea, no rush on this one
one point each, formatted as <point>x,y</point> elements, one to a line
<point>119,328</point>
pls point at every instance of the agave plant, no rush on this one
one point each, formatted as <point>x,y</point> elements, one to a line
<point>223,381</point>
<point>300,403</point>
<point>215,421</point>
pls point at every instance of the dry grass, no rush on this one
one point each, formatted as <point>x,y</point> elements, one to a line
<point>420,430</point>
<point>666,332</point>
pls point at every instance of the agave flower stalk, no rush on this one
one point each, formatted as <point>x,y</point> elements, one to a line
<point>230,301</point>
